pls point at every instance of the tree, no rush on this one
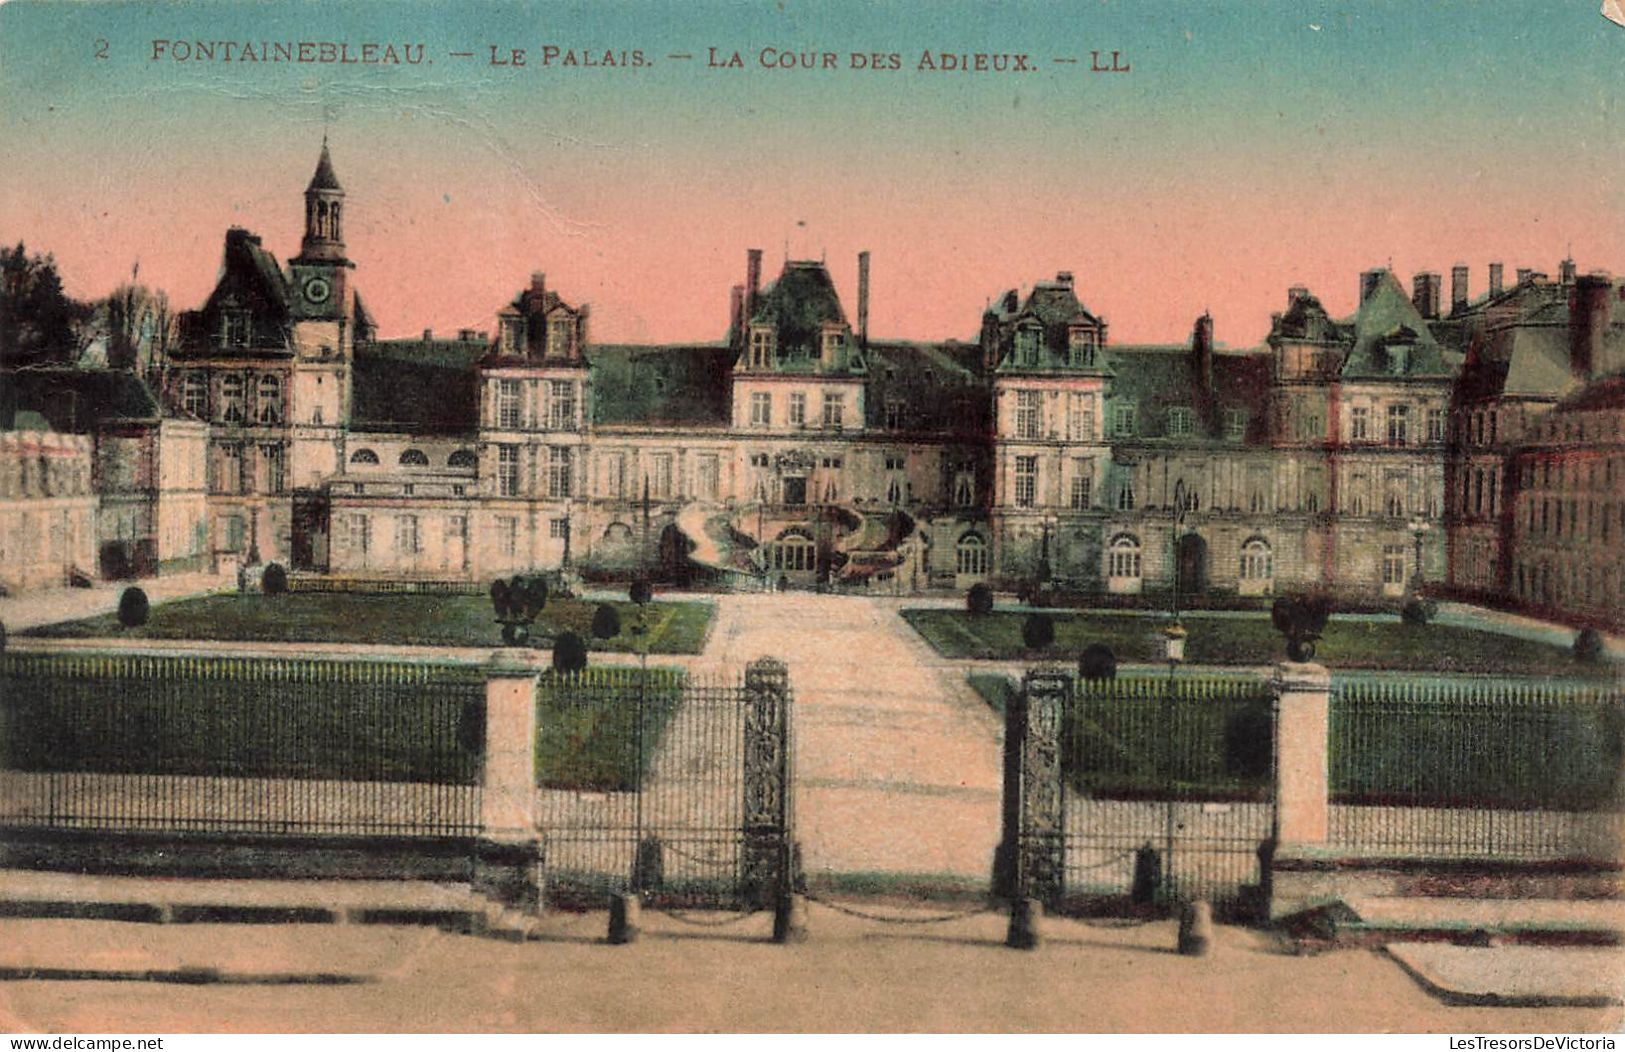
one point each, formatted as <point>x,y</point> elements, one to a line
<point>1588,646</point>
<point>979,600</point>
<point>1097,662</point>
<point>38,320</point>
<point>274,581</point>
<point>141,329</point>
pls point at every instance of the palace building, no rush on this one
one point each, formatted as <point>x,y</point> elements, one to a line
<point>1404,447</point>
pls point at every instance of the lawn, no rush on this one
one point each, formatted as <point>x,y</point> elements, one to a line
<point>1347,644</point>
<point>407,620</point>
<point>588,733</point>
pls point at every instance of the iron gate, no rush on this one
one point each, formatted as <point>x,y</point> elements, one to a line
<point>1139,791</point>
<point>674,785</point>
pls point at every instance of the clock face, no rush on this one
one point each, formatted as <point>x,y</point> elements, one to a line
<point>317,290</point>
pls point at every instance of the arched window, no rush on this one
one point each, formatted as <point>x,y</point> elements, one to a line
<point>972,552</point>
<point>1123,564</point>
<point>462,458</point>
<point>414,458</point>
<point>363,456</point>
<point>231,398</point>
<point>793,551</point>
<point>270,400</point>
<point>617,533</point>
<point>1257,569</point>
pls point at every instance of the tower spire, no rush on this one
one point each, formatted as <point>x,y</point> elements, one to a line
<point>324,205</point>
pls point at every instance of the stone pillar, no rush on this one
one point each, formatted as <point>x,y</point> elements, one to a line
<point>1302,708</point>
<point>1031,856</point>
<point>768,810</point>
<point>507,860</point>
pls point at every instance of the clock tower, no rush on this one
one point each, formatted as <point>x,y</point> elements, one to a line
<point>320,271</point>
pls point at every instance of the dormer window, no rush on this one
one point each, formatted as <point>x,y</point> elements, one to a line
<point>1081,344</point>
<point>512,335</point>
<point>1180,421</point>
<point>761,347</point>
<point>1027,346</point>
<point>833,342</point>
<point>561,337</point>
<point>235,323</point>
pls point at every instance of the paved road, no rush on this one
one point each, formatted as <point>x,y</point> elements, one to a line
<point>897,759</point>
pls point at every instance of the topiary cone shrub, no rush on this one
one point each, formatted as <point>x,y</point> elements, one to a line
<point>1097,662</point>
<point>569,653</point>
<point>1588,646</point>
<point>1038,631</point>
<point>133,608</point>
<point>606,622</point>
<point>275,580</point>
<point>979,600</point>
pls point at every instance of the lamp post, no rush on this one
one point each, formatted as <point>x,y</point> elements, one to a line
<point>1419,529</point>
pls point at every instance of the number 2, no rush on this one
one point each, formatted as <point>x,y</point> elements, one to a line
<point>101,48</point>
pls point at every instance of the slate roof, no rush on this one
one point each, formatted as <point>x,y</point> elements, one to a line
<point>324,179</point>
<point>635,384</point>
<point>1391,339</point>
<point>74,400</point>
<point>418,386</point>
<point>251,280</point>
<point>798,305</point>
<point>1155,378</point>
<point>1054,306</point>
<point>937,384</point>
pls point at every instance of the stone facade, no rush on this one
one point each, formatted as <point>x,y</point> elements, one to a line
<point>47,508</point>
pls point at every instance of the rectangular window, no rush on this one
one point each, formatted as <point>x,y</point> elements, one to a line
<point>508,401</point>
<point>761,409</point>
<point>1080,344</point>
<point>1359,424</point>
<point>707,476</point>
<point>560,337</point>
<point>1027,413</point>
<point>231,469</point>
<point>1123,421</point>
<point>660,481</point>
<point>1399,424</point>
<point>360,534</point>
<point>508,535</point>
<point>1179,421</point>
<point>798,409</point>
<point>1258,490</point>
<point>406,534</point>
<point>834,409</point>
<point>894,416</point>
<point>1083,481</point>
<point>1125,494</point>
<point>560,471</point>
<point>1026,481</point>
<point>1082,420</point>
<point>508,471</point>
<point>561,405</point>
<point>615,475</point>
<point>1393,564</point>
<point>271,454</point>
<point>558,529</point>
<point>1235,424</point>
<point>1435,425</point>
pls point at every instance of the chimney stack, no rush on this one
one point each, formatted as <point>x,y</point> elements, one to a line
<point>1368,284</point>
<point>428,334</point>
<point>736,315</point>
<point>1202,348</point>
<point>863,299</point>
<point>1588,321</point>
<point>1458,288</point>
<point>1525,274</point>
<point>1565,272</point>
<point>1064,279</point>
<point>753,281</point>
<point>1425,294</point>
<point>1495,279</point>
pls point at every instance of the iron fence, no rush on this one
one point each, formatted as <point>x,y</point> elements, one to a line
<point>1169,783</point>
<point>1477,767</point>
<point>646,781</point>
<point>224,744</point>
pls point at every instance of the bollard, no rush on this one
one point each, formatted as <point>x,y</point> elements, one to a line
<point>624,911</point>
<point>790,919</point>
<point>1195,928</point>
<point>1147,875</point>
<point>1025,924</point>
